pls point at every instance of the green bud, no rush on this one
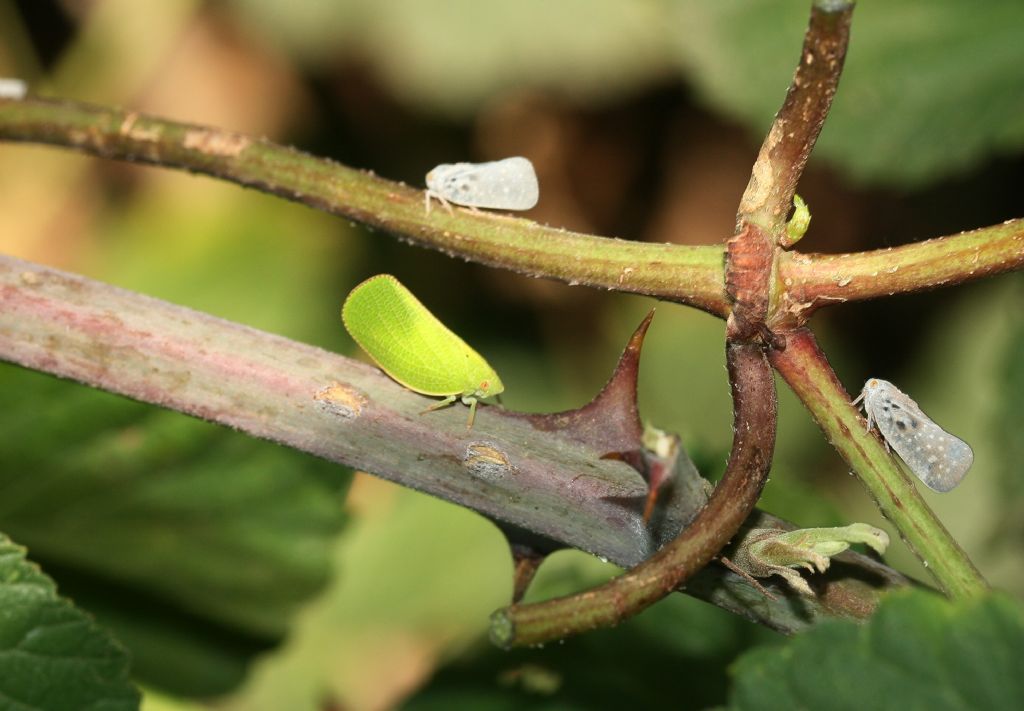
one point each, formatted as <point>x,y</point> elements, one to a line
<point>798,223</point>
<point>771,551</point>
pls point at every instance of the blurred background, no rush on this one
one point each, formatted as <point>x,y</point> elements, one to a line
<point>243,576</point>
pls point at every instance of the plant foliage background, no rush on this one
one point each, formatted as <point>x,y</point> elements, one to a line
<point>234,570</point>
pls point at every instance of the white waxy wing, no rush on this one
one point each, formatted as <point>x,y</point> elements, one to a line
<point>509,184</point>
<point>934,456</point>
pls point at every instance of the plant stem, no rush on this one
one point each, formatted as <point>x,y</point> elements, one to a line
<point>347,412</point>
<point>786,148</point>
<point>754,410</point>
<point>750,260</point>
<point>811,281</point>
<point>196,364</point>
<point>808,373</point>
<point>684,274</point>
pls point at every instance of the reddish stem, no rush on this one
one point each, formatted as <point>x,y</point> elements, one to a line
<point>754,411</point>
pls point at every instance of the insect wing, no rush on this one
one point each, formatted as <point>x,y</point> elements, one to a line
<point>509,184</point>
<point>934,456</point>
<point>410,344</point>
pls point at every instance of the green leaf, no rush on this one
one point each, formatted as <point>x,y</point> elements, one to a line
<point>930,87</point>
<point>177,534</point>
<point>1009,421</point>
<point>456,56</point>
<point>917,651</point>
<point>53,655</point>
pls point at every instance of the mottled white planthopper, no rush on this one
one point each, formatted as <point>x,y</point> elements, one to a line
<point>935,456</point>
<point>508,184</point>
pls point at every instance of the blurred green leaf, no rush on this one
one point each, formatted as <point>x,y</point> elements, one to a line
<point>918,651</point>
<point>455,56</point>
<point>52,655</point>
<point>181,533</point>
<point>1007,422</point>
<point>931,87</point>
<point>1009,419</point>
<point>421,577</point>
<point>235,254</point>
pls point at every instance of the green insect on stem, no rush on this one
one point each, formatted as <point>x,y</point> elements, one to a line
<point>412,346</point>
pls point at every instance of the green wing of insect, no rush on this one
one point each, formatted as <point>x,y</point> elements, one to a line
<point>411,345</point>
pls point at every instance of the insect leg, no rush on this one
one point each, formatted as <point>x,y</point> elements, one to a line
<point>867,412</point>
<point>471,401</point>
<point>428,194</point>
<point>441,403</point>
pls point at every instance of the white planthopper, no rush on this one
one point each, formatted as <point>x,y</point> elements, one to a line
<point>934,456</point>
<point>508,184</point>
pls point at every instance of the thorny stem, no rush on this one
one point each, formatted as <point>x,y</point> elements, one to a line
<point>750,257</point>
<point>749,265</point>
<point>807,371</point>
<point>754,410</point>
<point>684,274</point>
<point>763,210</point>
<point>794,353</point>
<point>770,294</point>
<point>347,412</point>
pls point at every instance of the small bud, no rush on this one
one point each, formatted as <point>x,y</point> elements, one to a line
<point>661,451</point>
<point>798,223</point>
<point>771,551</point>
